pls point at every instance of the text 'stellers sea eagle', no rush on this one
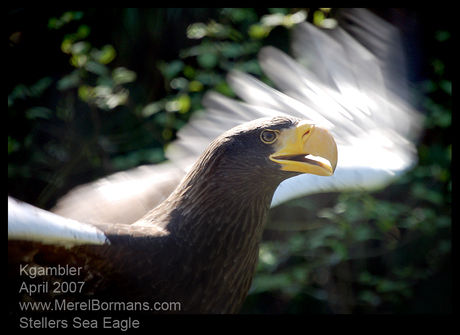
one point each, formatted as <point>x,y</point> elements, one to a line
<point>199,247</point>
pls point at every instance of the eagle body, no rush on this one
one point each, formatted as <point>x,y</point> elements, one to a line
<point>199,248</point>
<point>211,225</point>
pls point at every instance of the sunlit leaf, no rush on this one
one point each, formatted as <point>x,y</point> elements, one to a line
<point>195,86</point>
<point>258,31</point>
<point>78,60</point>
<point>66,45</point>
<point>224,88</point>
<point>122,75</point>
<point>272,20</point>
<point>318,17</point>
<point>97,68</point>
<point>179,83</point>
<point>107,54</point>
<point>184,101</point>
<point>152,108</point>
<point>218,30</point>
<point>80,48</point>
<point>85,92</point>
<point>196,30</point>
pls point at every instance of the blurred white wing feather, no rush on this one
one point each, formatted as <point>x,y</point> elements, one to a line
<point>341,86</point>
<point>351,80</point>
<point>29,223</point>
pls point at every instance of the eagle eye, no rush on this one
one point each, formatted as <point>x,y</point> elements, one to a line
<point>269,136</point>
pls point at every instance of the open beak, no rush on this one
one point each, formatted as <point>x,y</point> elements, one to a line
<point>307,148</point>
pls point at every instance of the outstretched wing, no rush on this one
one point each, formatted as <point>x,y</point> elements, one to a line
<point>350,79</point>
<point>355,86</point>
<point>122,197</point>
<point>26,222</point>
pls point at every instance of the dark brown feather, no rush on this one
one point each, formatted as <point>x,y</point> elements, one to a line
<point>200,246</point>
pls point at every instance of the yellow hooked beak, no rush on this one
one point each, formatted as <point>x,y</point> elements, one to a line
<point>307,148</point>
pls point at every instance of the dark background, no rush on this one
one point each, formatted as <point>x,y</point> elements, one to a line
<point>379,252</point>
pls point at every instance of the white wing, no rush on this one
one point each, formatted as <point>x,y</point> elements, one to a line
<point>360,94</point>
<point>350,80</point>
<point>26,222</point>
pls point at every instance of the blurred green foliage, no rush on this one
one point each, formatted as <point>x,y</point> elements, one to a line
<point>115,87</point>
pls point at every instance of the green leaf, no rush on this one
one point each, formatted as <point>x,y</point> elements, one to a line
<point>283,11</point>
<point>258,31</point>
<point>442,35</point>
<point>207,60</point>
<point>97,68</point>
<point>385,224</point>
<point>369,297</point>
<point>387,285</point>
<point>195,86</point>
<point>179,83</point>
<point>85,92</point>
<point>446,86</point>
<point>78,61</point>
<point>209,78</point>
<point>170,70</point>
<point>339,248</point>
<point>438,66</point>
<point>83,31</point>
<point>270,282</point>
<point>225,89</point>
<point>318,17</point>
<point>422,192</point>
<point>362,233</point>
<point>80,48</point>
<point>152,108</point>
<point>13,145</point>
<point>122,75</point>
<point>189,71</point>
<point>184,101</point>
<point>196,30</point>
<point>69,81</point>
<point>107,54</point>
<point>366,278</point>
<point>240,14</point>
<point>39,112</point>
